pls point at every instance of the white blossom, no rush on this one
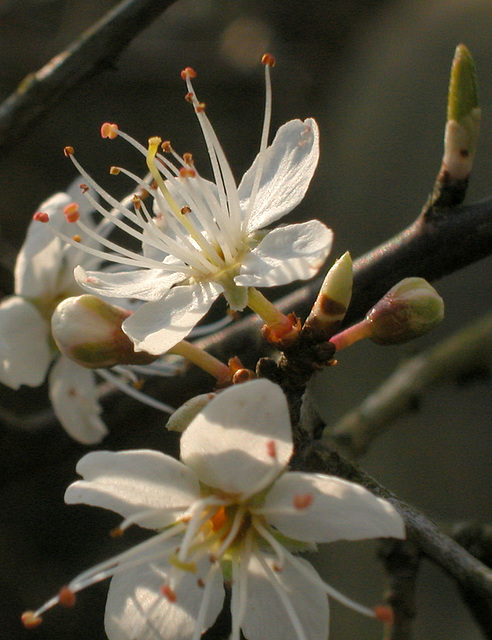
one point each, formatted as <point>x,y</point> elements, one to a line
<point>228,511</point>
<point>204,238</point>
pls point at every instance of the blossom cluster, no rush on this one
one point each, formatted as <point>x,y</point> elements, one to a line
<point>230,514</point>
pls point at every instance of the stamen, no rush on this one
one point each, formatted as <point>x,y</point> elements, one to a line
<point>68,151</point>
<point>188,159</point>
<point>66,597</point>
<point>30,620</point>
<point>134,393</point>
<point>271,449</point>
<point>188,72</point>
<point>383,613</point>
<point>302,501</point>
<point>168,593</point>
<point>166,146</point>
<point>41,216</point>
<point>268,60</point>
<point>114,171</point>
<point>109,130</point>
<point>71,212</point>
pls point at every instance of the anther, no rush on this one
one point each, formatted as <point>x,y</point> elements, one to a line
<point>168,593</point>
<point>41,216</point>
<point>243,375</point>
<point>114,171</point>
<point>302,501</point>
<point>184,172</point>
<point>271,448</point>
<point>185,210</point>
<point>268,59</point>
<point>188,72</point>
<point>166,146</point>
<point>117,532</point>
<point>200,583</point>
<point>138,384</point>
<point>383,613</point>
<point>71,212</point>
<point>136,202</point>
<point>189,97</point>
<point>188,159</point>
<point>109,130</point>
<point>30,620</point>
<point>201,106</point>
<point>76,238</point>
<point>84,188</point>
<point>66,597</point>
<point>68,151</point>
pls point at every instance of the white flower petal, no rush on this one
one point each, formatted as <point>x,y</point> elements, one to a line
<point>144,284</point>
<point>158,326</point>
<point>267,617</point>
<point>40,258</point>
<point>137,610</point>
<point>73,394</point>
<point>294,252</point>
<point>241,439</point>
<point>133,482</point>
<point>289,166</point>
<point>24,349</point>
<point>328,509</point>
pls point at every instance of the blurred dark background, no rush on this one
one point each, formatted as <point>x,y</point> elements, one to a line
<point>374,74</point>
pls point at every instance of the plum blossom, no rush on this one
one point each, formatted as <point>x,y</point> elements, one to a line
<point>231,512</point>
<point>202,238</point>
<point>43,277</point>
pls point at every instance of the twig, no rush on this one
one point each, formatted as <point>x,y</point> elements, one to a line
<point>472,577</point>
<point>467,350</point>
<point>93,52</point>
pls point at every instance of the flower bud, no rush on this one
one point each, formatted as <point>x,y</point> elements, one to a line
<point>410,309</point>
<point>463,116</point>
<point>183,416</point>
<point>333,299</point>
<point>88,330</point>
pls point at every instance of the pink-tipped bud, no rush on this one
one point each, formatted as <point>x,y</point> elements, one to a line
<point>88,330</point>
<point>409,309</point>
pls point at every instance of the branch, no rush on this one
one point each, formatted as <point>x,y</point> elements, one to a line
<point>466,351</point>
<point>472,577</point>
<point>93,52</point>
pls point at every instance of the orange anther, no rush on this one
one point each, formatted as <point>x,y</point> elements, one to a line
<point>41,216</point>
<point>109,130</point>
<point>302,501</point>
<point>184,172</point>
<point>185,210</point>
<point>384,613</point>
<point>76,238</point>
<point>219,519</point>
<point>117,532</point>
<point>136,202</point>
<point>168,593</point>
<point>84,188</point>
<point>166,146</point>
<point>71,212</point>
<point>189,97</point>
<point>188,72</point>
<point>188,158</point>
<point>114,171</point>
<point>268,59</point>
<point>243,375</point>
<point>66,597</point>
<point>201,106</point>
<point>30,620</point>
<point>271,448</point>
<point>68,151</point>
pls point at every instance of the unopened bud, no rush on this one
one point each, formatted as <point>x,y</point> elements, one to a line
<point>333,299</point>
<point>183,416</point>
<point>410,309</point>
<point>88,330</point>
<point>463,116</point>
